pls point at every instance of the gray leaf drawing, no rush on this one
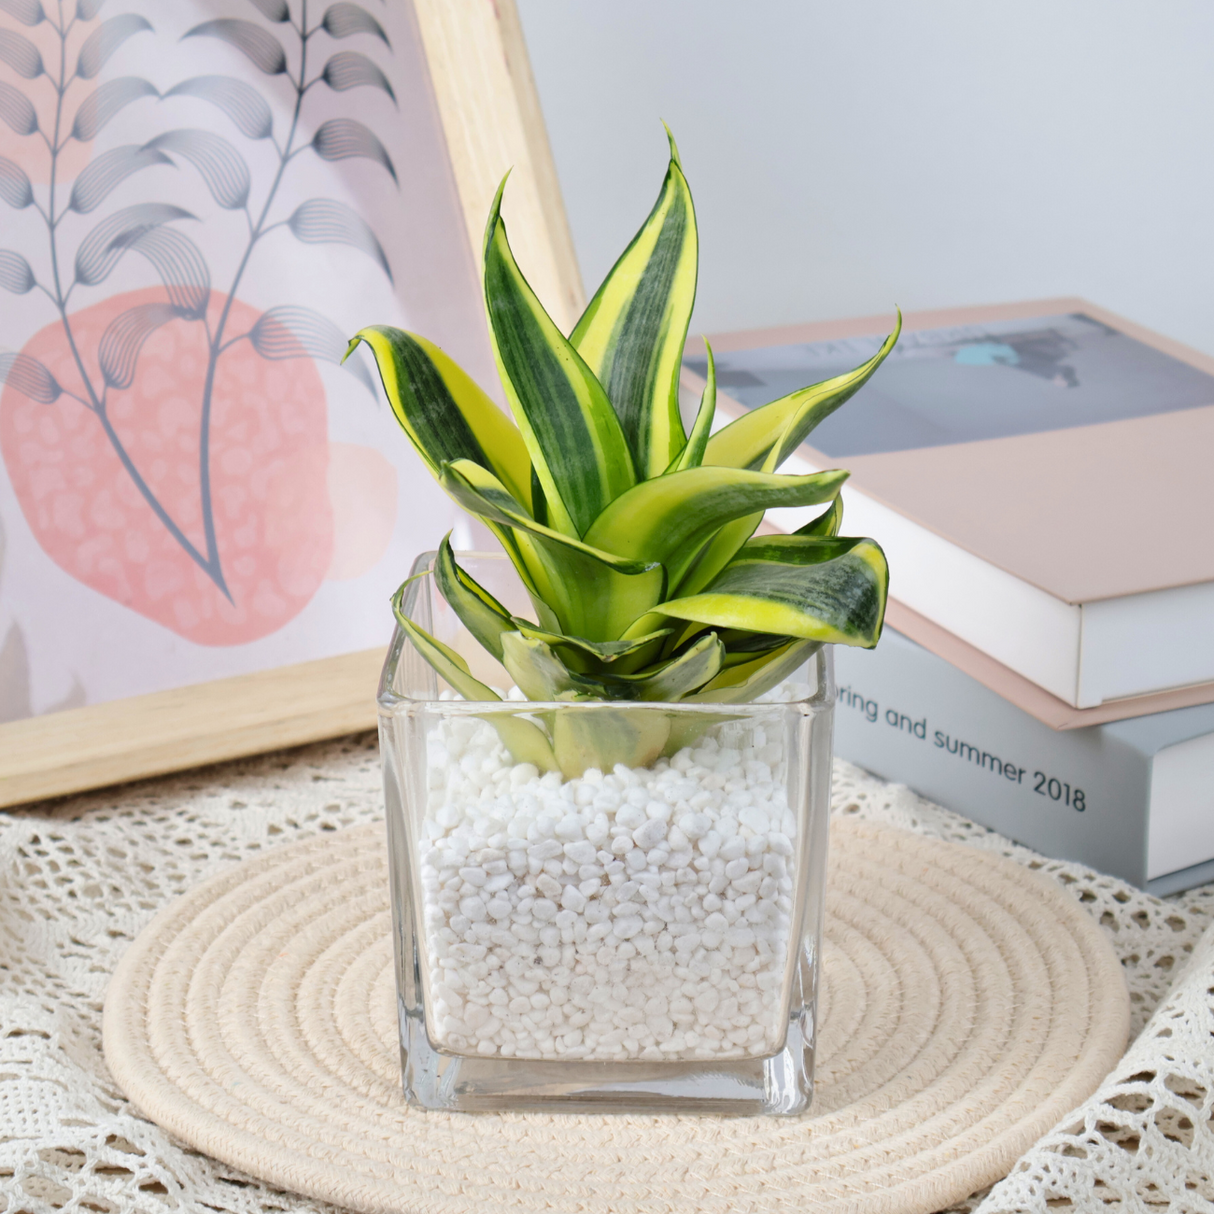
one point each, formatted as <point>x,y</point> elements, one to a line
<point>20,54</point>
<point>15,272</point>
<point>294,332</point>
<point>28,12</point>
<point>218,163</point>
<point>99,107</point>
<point>343,138</point>
<point>343,19</point>
<point>105,40</point>
<point>17,110</point>
<point>15,186</point>
<point>349,70</point>
<point>101,249</point>
<point>272,10</point>
<point>261,47</point>
<point>118,351</point>
<point>30,377</point>
<point>109,170</point>
<point>242,103</point>
<point>324,221</point>
<point>86,10</point>
<point>181,267</point>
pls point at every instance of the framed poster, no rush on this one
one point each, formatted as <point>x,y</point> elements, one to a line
<point>202,513</point>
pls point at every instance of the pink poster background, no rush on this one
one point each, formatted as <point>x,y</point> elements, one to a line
<point>201,201</point>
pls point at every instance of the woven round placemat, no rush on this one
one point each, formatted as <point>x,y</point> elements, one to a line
<point>968,1004</point>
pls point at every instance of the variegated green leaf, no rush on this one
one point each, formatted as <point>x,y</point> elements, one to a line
<point>745,682</point>
<point>444,413</point>
<point>604,652</point>
<point>633,331</point>
<point>677,678</point>
<point>593,593</point>
<point>541,675</point>
<point>537,671</point>
<point>670,518</point>
<point>748,442</point>
<point>717,553</point>
<point>447,663</point>
<point>692,455</point>
<point>602,735</point>
<point>525,740</point>
<point>743,647</point>
<point>568,425</point>
<point>830,590</point>
<point>483,616</point>
<point>827,524</point>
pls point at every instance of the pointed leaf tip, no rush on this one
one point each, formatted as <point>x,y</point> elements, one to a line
<point>495,208</point>
<point>692,455</point>
<point>633,332</point>
<point>674,147</point>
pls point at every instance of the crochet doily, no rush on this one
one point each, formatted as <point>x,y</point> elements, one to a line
<point>79,878</point>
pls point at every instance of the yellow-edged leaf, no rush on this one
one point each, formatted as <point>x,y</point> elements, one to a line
<point>830,590</point>
<point>484,617</point>
<point>570,430</point>
<point>446,662</point>
<point>593,593</point>
<point>670,518</point>
<point>692,455</point>
<point>784,424</point>
<point>744,683</point>
<point>633,331</point>
<point>443,411</point>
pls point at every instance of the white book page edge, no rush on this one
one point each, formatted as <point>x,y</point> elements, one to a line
<point>1180,830</point>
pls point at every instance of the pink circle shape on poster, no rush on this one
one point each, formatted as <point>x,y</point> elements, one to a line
<point>268,465</point>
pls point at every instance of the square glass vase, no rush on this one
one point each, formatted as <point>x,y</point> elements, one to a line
<point>638,930</point>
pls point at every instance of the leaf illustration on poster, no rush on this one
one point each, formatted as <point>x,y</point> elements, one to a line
<point>249,525</point>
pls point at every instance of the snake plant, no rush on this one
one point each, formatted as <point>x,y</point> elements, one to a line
<point>634,539</point>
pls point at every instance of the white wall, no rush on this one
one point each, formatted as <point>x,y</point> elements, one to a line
<point>847,155</point>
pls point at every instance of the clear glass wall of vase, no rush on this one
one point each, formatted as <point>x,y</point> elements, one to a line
<point>636,927</point>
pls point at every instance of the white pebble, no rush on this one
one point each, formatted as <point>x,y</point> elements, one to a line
<point>570,828</point>
<point>630,817</point>
<point>650,834</point>
<point>639,914</point>
<point>581,852</point>
<point>573,899</point>
<point>733,848</point>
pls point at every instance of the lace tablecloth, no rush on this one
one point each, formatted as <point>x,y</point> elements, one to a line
<point>79,878</point>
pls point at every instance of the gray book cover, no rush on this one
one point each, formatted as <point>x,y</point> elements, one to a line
<point>1107,796</point>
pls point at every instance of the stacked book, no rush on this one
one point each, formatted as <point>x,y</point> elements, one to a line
<point>1039,476</point>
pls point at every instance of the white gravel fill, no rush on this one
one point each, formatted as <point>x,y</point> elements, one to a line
<point>639,914</point>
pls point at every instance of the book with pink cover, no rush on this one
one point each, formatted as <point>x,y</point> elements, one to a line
<point>1039,476</point>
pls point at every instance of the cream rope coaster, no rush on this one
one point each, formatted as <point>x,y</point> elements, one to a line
<point>968,1004</point>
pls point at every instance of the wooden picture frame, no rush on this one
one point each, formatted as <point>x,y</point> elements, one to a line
<point>482,87</point>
